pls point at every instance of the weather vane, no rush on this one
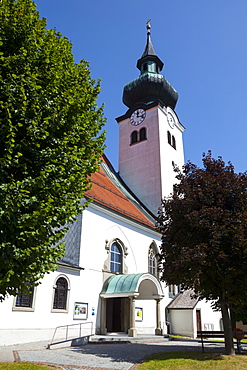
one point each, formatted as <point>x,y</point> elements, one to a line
<point>148,24</point>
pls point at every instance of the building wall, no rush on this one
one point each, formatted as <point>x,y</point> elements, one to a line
<point>149,162</point>
<point>184,321</point>
<point>181,322</point>
<point>211,320</point>
<point>98,226</point>
<point>169,155</point>
<point>140,163</point>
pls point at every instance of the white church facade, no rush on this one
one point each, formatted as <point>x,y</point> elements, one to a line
<point>108,280</point>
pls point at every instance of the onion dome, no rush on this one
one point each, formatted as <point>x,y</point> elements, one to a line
<point>150,85</point>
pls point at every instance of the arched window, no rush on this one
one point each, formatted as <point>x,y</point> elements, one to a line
<point>152,262</point>
<point>116,258</point>
<point>169,137</point>
<point>133,137</point>
<point>173,142</point>
<point>152,259</point>
<point>143,134</point>
<point>61,294</point>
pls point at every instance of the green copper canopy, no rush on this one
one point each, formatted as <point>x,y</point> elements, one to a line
<point>150,85</point>
<point>130,285</point>
<point>117,284</point>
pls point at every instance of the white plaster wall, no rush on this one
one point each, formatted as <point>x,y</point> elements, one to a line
<point>148,324</point>
<point>181,322</point>
<point>85,286</point>
<point>25,326</point>
<point>136,239</point>
<point>210,319</point>
<point>167,153</point>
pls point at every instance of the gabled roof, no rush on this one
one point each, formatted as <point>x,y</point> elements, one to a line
<point>109,191</point>
<point>183,301</point>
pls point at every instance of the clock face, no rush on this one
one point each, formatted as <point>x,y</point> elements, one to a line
<point>137,117</point>
<point>171,120</point>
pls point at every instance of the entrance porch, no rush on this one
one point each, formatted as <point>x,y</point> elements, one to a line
<point>119,295</point>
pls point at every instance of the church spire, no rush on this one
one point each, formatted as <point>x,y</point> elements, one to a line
<point>149,54</point>
<point>149,49</point>
<point>150,86</point>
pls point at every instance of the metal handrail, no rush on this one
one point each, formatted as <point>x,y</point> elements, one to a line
<point>67,328</point>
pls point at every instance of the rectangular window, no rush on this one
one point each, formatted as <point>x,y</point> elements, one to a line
<point>24,301</point>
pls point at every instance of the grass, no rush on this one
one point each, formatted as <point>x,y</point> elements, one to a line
<point>25,366</point>
<point>194,361</point>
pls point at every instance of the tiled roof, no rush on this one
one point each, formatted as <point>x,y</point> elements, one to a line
<point>109,191</point>
<point>183,301</point>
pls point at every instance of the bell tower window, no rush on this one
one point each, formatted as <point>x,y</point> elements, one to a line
<point>134,137</point>
<point>143,134</point>
<point>173,142</point>
<point>169,138</point>
<point>137,136</point>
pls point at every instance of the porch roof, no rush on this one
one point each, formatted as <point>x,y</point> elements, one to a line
<point>183,301</point>
<point>128,285</point>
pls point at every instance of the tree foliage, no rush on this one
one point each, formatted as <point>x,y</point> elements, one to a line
<point>204,233</point>
<point>50,142</point>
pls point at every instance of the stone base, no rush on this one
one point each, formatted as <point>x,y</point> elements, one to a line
<point>103,331</point>
<point>158,331</point>
<point>132,332</point>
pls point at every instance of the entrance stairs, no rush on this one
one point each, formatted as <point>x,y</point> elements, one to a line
<point>123,338</point>
<point>82,333</point>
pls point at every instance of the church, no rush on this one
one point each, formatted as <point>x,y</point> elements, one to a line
<point>108,281</point>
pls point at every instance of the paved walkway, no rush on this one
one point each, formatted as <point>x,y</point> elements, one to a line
<point>121,356</point>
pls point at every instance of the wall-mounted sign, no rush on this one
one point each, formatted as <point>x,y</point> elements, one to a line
<point>80,311</point>
<point>138,314</point>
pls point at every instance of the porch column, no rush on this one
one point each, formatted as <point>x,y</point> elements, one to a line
<point>158,330</point>
<point>132,330</point>
<point>103,329</point>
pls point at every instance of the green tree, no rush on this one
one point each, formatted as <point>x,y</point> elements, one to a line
<point>204,236</point>
<point>50,142</point>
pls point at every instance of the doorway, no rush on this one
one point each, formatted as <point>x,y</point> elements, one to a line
<point>116,315</point>
<point>198,320</point>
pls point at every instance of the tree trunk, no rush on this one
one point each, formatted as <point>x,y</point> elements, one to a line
<point>229,346</point>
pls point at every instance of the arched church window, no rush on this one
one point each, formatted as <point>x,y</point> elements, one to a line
<point>116,258</point>
<point>133,137</point>
<point>152,259</point>
<point>117,252</point>
<point>145,67</point>
<point>169,139</point>
<point>60,294</point>
<point>143,134</point>
<point>173,142</point>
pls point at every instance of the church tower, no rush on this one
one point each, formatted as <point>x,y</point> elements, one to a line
<point>150,141</point>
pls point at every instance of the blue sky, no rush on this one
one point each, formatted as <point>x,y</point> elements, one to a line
<point>203,45</point>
